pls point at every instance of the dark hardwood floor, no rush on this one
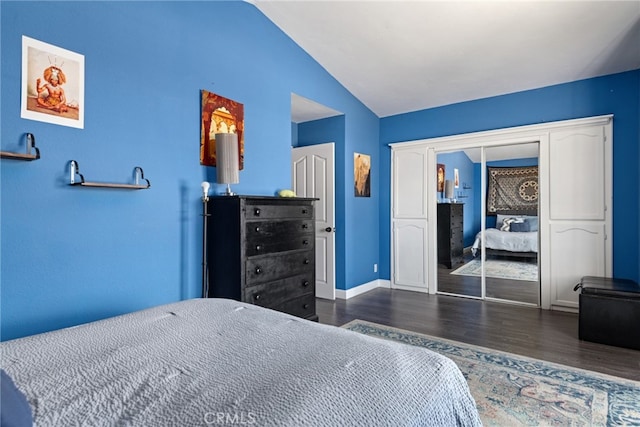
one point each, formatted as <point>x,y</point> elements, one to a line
<point>511,290</point>
<point>541,334</point>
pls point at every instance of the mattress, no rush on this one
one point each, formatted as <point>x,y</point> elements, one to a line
<point>215,361</point>
<point>507,241</point>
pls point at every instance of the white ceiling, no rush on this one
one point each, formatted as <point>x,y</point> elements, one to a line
<point>401,56</point>
<point>306,110</point>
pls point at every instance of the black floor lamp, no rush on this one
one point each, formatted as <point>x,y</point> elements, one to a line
<point>205,219</point>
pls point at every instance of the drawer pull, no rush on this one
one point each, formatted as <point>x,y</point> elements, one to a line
<point>258,270</point>
<point>305,226</point>
<point>257,229</point>
<point>256,211</point>
<point>305,242</point>
<point>258,247</point>
<point>256,297</point>
<point>306,261</point>
<point>305,211</point>
<point>306,306</point>
<point>305,283</point>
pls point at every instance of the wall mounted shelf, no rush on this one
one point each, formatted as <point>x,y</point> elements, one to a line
<point>137,185</point>
<point>28,156</point>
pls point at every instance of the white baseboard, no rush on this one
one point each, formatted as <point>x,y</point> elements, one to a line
<point>361,289</point>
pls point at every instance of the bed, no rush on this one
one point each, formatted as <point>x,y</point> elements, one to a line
<point>218,361</point>
<point>514,235</point>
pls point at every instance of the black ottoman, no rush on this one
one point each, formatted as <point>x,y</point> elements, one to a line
<point>609,311</point>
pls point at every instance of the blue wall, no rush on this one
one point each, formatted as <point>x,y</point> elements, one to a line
<point>356,248</point>
<point>71,255</point>
<point>617,94</point>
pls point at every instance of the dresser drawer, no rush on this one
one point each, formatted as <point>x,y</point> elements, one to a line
<point>304,306</point>
<point>269,211</point>
<point>275,293</point>
<point>266,246</point>
<point>277,229</point>
<point>268,268</point>
<point>266,237</point>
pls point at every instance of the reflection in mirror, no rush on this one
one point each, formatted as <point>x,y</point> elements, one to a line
<point>510,239</point>
<point>456,223</point>
<point>505,249</point>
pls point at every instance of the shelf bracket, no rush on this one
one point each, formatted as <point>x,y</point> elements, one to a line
<point>75,170</point>
<point>31,145</point>
<point>74,173</point>
<point>140,176</point>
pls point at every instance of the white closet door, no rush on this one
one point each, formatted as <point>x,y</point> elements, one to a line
<point>578,249</point>
<point>577,174</point>
<point>579,218</point>
<point>409,219</point>
<point>409,183</point>
<point>410,254</point>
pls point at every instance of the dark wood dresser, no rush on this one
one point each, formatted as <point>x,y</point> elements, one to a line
<point>450,234</point>
<point>261,250</point>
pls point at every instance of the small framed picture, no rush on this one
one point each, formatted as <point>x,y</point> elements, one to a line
<point>440,181</point>
<point>362,175</point>
<point>52,84</point>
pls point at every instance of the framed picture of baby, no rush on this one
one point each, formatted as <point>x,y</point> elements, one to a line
<point>52,84</point>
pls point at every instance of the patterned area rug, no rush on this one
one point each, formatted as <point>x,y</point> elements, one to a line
<point>499,269</point>
<point>512,390</point>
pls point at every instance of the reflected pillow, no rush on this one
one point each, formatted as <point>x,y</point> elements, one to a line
<point>520,227</point>
<point>533,220</point>
<point>509,222</point>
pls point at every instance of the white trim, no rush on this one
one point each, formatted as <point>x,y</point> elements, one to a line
<point>498,136</point>
<point>361,289</point>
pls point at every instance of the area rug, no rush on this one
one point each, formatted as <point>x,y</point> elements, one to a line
<point>499,269</point>
<point>512,390</point>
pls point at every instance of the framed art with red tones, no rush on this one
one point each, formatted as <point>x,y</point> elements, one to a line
<point>219,115</point>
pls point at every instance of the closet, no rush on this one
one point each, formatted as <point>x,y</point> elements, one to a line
<point>574,209</point>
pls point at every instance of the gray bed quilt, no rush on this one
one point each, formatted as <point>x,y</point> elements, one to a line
<point>214,361</point>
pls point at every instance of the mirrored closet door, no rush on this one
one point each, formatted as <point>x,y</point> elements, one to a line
<point>459,273</point>
<point>487,223</point>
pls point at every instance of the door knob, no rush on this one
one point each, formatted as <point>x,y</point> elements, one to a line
<point>328,229</point>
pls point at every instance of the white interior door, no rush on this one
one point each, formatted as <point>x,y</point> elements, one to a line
<point>312,175</point>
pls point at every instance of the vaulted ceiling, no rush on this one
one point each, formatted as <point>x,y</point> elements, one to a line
<point>401,56</point>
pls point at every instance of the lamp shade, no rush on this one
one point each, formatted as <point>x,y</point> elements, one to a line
<point>448,189</point>
<point>227,158</point>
